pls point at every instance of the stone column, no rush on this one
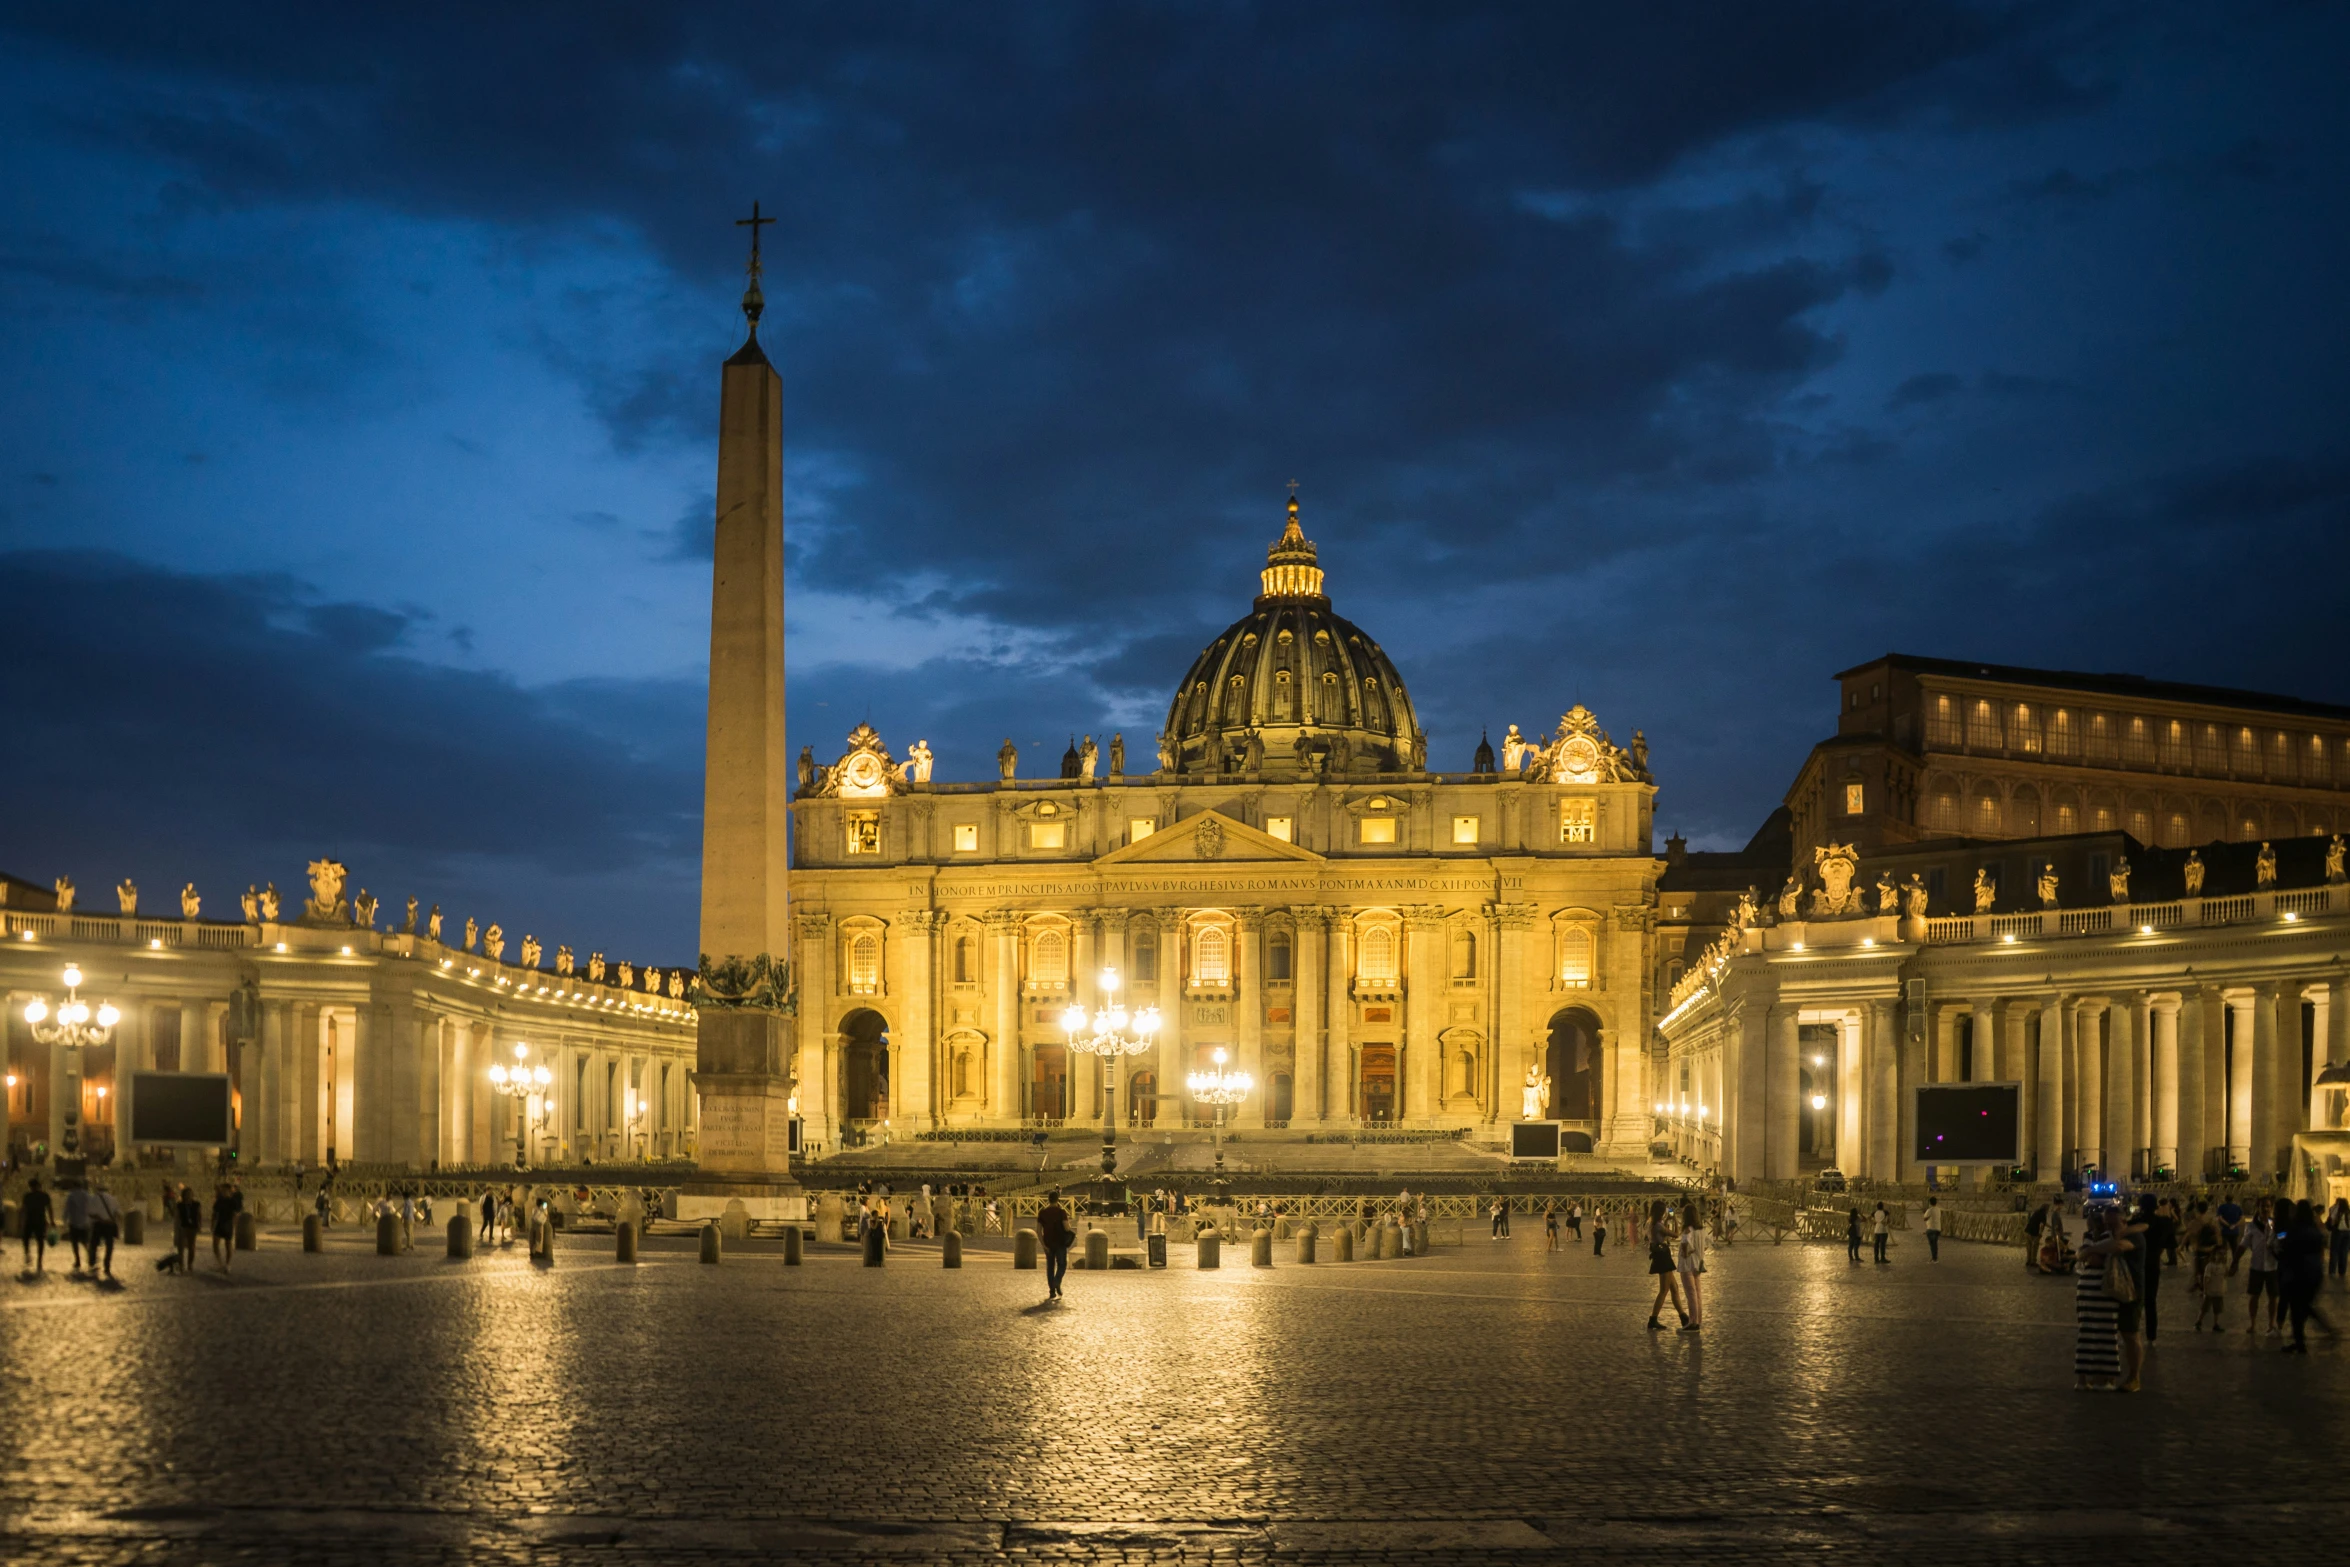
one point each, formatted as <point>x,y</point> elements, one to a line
<point>1338,1094</point>
<point>1513,1042</point>
<point>1423,1074</point>
<point>1782,1091</point>
<point>198,1050</point>
<point>2240,1045</point>
<point>1174,1053</point>
<point>2121,1087</point>
<point>1945,1042</point>
<point>1885,1095</point>
<point>2271,1102</point>
<point>1915,1059</point>
<point>1003,927</point>
<point>1088,1078</point>
<point>1983,1041</point>
<point>913,981</point>
<point>2164,1018</point>
<point>2048,1118</point>
<point>1308,961</point>
<point>2089,1083</point>
<point>819,1085</point>
<point>2015,1066</point>
<point>1851,1103</point>
<point>2333,1049</point>
<point>2192,1135</point>
<point>1248,1007</point>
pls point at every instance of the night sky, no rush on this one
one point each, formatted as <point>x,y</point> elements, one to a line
<point>359,379</point>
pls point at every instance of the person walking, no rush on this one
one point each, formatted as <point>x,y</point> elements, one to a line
<point>1880,1230</point>
<point>1054,1233</point>
<point>77,1223</point>
<point>2105,1323</point>
<point>1852,1233</point>
<point>1933,1229</point>
<point>187,1227</point>
<point>1506,1205</point>
<point>2301,1270</point>
<point>2157,1235</point>
<point>2260,1269</point>
<point>1690,1259</point>
<point>1664,1268</point>
<point>1599,1231</point>
<point>32,1222</point>
<point>227,1203</point>
<point>105,1227</point>
<point>489,1215</point>
<point>2338,1238</point>
<point>1575,1221</point>
<point>2034,1227</point>
<point>1550,1226</point>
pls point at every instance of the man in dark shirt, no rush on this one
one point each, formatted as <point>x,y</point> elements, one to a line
<point>2157,1234</point>
<point>32,1217</point>
<point>1052,1229</point>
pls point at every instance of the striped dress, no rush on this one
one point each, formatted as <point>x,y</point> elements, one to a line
<point>2097,1349</point>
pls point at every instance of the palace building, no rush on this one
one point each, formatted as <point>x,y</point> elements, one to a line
<point>1374,943</point>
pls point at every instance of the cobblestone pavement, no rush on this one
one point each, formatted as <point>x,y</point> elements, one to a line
<point>1485,1404</point>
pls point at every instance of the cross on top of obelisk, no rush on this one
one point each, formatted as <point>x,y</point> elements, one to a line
<point>754,303</point>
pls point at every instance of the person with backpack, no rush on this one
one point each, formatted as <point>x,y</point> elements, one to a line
<point>1054,1233</point>
<point>105,1226</point>
<point>187,1224</point>
<point>32,1219</point>
<point>77,1224</point>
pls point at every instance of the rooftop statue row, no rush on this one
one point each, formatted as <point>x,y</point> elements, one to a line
<point>1578,752</point>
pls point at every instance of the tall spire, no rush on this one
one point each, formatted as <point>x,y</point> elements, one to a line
<point>754,302</point>
<point>1290,569</point>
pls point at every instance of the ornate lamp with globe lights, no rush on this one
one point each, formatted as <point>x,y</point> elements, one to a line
<point>1221,1090</point>
<point>73,1027</point>
<point>1110,1033</point>
<point>519,1082</point>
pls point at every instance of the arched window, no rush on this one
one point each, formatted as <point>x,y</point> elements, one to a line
<point>1212,956</point>
<point>1048,958</point>
<point>1378,958</point>
<point>1575,956</point>
<point>864,963</point>
<point>1987,813</point>
<point>966,966</point>
<point>1146,958</point>
<point>1464,954</point>
<point>1277,958</point>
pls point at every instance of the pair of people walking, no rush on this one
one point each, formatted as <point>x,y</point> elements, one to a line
<point>1676,1256</point>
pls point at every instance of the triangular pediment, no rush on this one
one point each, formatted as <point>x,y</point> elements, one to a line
<point>1210,838</point>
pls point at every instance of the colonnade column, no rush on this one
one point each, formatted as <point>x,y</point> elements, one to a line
<point>2048,1105</point>
<point>1510,1041</point>
<point>1744,1118</point>
<point>1083,990</point>
<point>2088,1085</point>
<point>2240,1038</point>
<point>817,1087</point>
<point>2195,1086</point>
<point>2121,1087</point>
<point>1172,1068</point>
<point>1423,1086</point>
<point>1248,1002</point>
<point>915,980</point>
<point>1914,1046</point>
<point>2276,1072</point>
<point>1003,928</point>
<point>1945,1041</point>
<point>1338,1061</point>
<point>1782,1091</point>
<point>2015,1065</point>
<point>1884,1047</point>
<point>2163,1015</point>
<point>1983,1041</point>
<point>1851,1105</point>
<point>1307,959</point>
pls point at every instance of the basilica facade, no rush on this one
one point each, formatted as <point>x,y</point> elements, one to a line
<point>1283,878</point>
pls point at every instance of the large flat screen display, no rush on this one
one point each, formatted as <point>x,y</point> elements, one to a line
<point>1969,1123</point>
<point>180,1107</point>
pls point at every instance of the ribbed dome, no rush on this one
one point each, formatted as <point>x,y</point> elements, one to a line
<point>1290,670</point>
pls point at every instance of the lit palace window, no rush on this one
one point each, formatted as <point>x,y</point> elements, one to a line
<point>1281,827</point>
<point>1140,827</point>
<point>1377,964</point>
<point>864,964</point>
<point>1575,956</point>
<point>1211,957</point>
<point>966,837</point>
<point>1376,829</point>
<point>1146,958</point>
<point>864,832</point>
<point>1048,835</point>
<point>966,961</point>
<point>1277,958</point>
<point>1048,958</point>
<point>1855,798</point>
<point>1579,821</point>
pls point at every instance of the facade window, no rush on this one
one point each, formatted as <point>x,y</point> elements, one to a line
<point>1048,958</point>
<point>2247,761</point>
<point>1277,958</point>
<point>1944,814</point>
<point>1376,965</point>
<point>2100,747</point>
<point>1579,821</point>
<point>2068,819</point>
<point>1856,798</point>
<point>2137,743</point>
<point>2280,756</point>
<point>1140,827</point>
<point>1982,725</point>
<point>864,964</point>
<point>2317,772</point>
<point>2064,735</point>
<point>966,837</point>
<point>1464,830</point>
<point>1376,829</point>
<point>1464,954</point>
<point>2174,831</point>
<point>1048,835</point>
<point>2023,729</point>
<point>1942,722</point>
<point>579,1096</point>
<point>2177,749</point>
<point>1283,828</point>
<point>2142,826</point>
<point>864,832</point>
<point>1211,957</point>
<point>1575,957</point>
<point>966,966</point>
<point>2211,751</point>
<point>1987,813</point>
<point>2101,819</point>
<point>1146,958</point>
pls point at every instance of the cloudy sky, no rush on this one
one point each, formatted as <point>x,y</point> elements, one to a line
<point>358,369</point>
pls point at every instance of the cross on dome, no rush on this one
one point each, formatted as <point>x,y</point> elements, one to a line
<point>1290,568</point>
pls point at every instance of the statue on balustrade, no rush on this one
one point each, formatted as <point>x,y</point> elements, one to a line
<point>1007,758</point>
<point>563,961</point>
<point>531,950</point>
<point>919,761</point>
<point>807,769</point>
<point>1791,898</point>
<point>1167,756</point>
<point>363,909</point>
<point>1535,1097</point>
<point>2117,880</point>
<point>596,967</point>
<point>251,903</point>
<point>2194,873</point>
<point>653,981</point>
<point>326,893</point>
<point>190,903</point>
<point>271,903</point>
<point>1089,757</point>
<point>472,932</point>
<point>1341,757</point>
<point>432,924</point>
<point>127,890</point>
<point>1888,895</point>
<point>64,885</point>
<point>2334,859</point>
<point>1986,890</point>
<point>409,929</point>
<point>1515,748</point>
<point>493,942</point>
<point>1748,910</point>
<point>2047,886</point>
<point>1913,898</point>
<point>677,984</point>
<point>1118,755</point>
<point>1252,758</point>
<point>2264,870</point>
<point>627,975</point>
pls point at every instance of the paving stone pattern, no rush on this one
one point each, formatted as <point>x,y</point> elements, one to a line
<point>1489,1403</point>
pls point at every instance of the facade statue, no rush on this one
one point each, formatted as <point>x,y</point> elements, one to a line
<point>2117,881</point>
<point>531,950</point>
<point>1341,758</point>
<point>627,975</point>
<point>432,924</point>
<point>1253,758</point>
<point>409,929</point>
<point>1303,750</point>
<point>2194,873</point>
<point>596,968</point>
<point>2334,859</point>
<point>493,942</point>
<point>64,885</point>
<point>1837,864</point>
<point>1089,757</point>
<point>1419,758</point>
<point>190,903</point>
<point>1118,756</point>
<point>1749,910</point>
<point>1536,1094</point>
<point>251,903</point>
<point>127,891</point>
<point>919,762</point>
<point>472,932</point>
<point>2047,886</point>
<point>1167,758</point>
<point>1888,895</point>
<point>807,769</point>
<point>1913,897</point>
<point>677,984</point>
<point>653,980</point>
<point>1986,890</point>
<point>1007,758</point>
<point>326,892</point>
<point>563,961</point>
<point>270,902</point>
<point>2264,869</point>
<point>1791,898</point>
<point>363,908</point>
<point>1640,756</point>
<point>1212,753</point>
<point>1514,748</point>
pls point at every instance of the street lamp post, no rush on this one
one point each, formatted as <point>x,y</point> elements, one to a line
<point>73,1027</point>
<point>1110,1033</point>
<point>1220,1089</point>
<point>519,1082</point>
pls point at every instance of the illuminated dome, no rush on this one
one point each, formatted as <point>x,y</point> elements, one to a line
<point>1309,687</point>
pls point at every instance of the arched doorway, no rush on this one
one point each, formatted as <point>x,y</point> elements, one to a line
<point>1377,1093</point>
<point>864,1067</point>
<point>1572,1063</point>
<point>1049,1097</point>
<point>1142,1099</point>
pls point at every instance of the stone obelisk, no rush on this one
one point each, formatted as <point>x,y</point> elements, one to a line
<point>744,998</point>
